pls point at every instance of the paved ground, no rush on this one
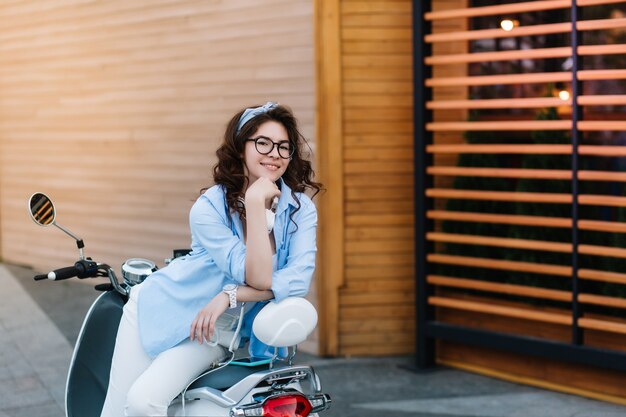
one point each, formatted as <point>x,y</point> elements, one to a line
<point>39,322</point>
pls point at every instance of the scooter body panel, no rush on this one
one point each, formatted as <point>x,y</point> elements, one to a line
<point>88,377</point>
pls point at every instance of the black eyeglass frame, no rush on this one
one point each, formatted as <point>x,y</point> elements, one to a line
<point>274,145</point>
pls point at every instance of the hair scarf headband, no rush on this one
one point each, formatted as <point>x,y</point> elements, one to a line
<point>252,112</point>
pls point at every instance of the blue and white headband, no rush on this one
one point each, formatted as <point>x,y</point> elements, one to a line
<point>251,113</point>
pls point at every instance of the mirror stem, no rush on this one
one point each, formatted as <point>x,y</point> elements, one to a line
<point>79,241</point>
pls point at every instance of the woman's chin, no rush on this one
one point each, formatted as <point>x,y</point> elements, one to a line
<point>272,175</point>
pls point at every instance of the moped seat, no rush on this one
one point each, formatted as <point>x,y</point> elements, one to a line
<point>226,377</point>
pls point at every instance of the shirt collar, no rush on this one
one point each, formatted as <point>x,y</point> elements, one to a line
<point>286,198</point>
<point>284,201</point>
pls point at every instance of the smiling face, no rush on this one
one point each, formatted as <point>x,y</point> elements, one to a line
<point>270,166</point>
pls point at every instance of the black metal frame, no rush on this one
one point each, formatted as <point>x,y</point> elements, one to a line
<point>428,329</point>
<point>577,114</point>
<point>425,345</point>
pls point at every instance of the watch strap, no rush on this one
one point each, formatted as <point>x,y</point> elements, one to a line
<point>232,297</point>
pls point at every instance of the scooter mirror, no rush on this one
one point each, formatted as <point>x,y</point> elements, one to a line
<point>42,210</point>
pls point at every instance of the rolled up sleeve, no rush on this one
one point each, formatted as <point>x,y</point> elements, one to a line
<point>210,229</point>
<point>294,279</point>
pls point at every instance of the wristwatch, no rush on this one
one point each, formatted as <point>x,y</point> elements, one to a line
<point>231,291</point>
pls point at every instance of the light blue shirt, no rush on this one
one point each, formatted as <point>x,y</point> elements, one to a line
<point>171,297</point>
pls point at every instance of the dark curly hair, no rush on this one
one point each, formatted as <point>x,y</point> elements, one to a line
<point>229,170</point>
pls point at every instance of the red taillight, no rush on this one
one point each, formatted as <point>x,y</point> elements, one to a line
<point>287,406</point>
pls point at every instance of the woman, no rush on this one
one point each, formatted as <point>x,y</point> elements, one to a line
<point>163,338</point>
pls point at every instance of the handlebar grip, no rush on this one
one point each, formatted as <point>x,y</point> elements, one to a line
<point>40,277</point>
<point>63,273</point>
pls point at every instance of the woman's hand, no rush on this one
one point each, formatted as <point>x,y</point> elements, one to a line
<point>261,191</point>
<point>203,325</point>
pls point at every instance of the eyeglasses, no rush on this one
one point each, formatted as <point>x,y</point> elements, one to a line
<point>265,146</point>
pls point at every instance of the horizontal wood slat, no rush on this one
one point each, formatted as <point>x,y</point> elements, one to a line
<point>602,176</point>
<point>587,199</point>
<point>530,6</point>
<point>503,149</point>
<point>511,289</point>
<point>610,151</point>
<point>510,125</point>
<point>519,313</point>
<point>602,74</point>
<point>504,103</point>
<point>602,276</point>
<point>528,149</point>
<point>596,2</point>
<point>499,196</point>
<point>540,77</point>
<point>603,325</point>
<point>500,242</point>
<point>602,300</point>
<point>498,33</point>
<point>565,27</point>
<point>602,100</point>
<point>511,8</point>
<point>351,298</point>
<point>500,218</point>
<point>602,200</point>
<point>597,125</point>
<point>488,263</point>
<point>538,53</point>
<point>611,49</point>
<point>553,174</point>
<point>526,103</point>
<point>378,325</point>
<point>602,226</point>
<point>376,7</point>
<point>595,225</point>
<point>602,251</point>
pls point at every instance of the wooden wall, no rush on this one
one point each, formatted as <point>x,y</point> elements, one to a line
<point>365,96</point>
<point>366,82</point>
<point>376,301</point>
<point>115,109</point>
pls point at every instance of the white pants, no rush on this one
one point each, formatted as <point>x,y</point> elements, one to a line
<point>140,386</point>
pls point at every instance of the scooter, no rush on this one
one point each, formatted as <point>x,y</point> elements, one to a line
<point>237,387</point>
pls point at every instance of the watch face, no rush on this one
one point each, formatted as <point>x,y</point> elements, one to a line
<point>229,287</point>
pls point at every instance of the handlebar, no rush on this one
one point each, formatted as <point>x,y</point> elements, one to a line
<point>63,273</point>
<point>81,269</point>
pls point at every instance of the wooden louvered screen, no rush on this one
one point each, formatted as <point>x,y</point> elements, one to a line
<point>526,176</point>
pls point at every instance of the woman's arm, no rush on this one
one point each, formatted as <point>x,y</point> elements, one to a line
<point>246,293</point>
<point>210,229</point>
<point>258,247</point>
<point>203,325</point>
<point>294,278</point>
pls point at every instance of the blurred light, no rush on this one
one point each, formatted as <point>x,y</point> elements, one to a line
<point>564,95</point>
<point>508,24</point>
